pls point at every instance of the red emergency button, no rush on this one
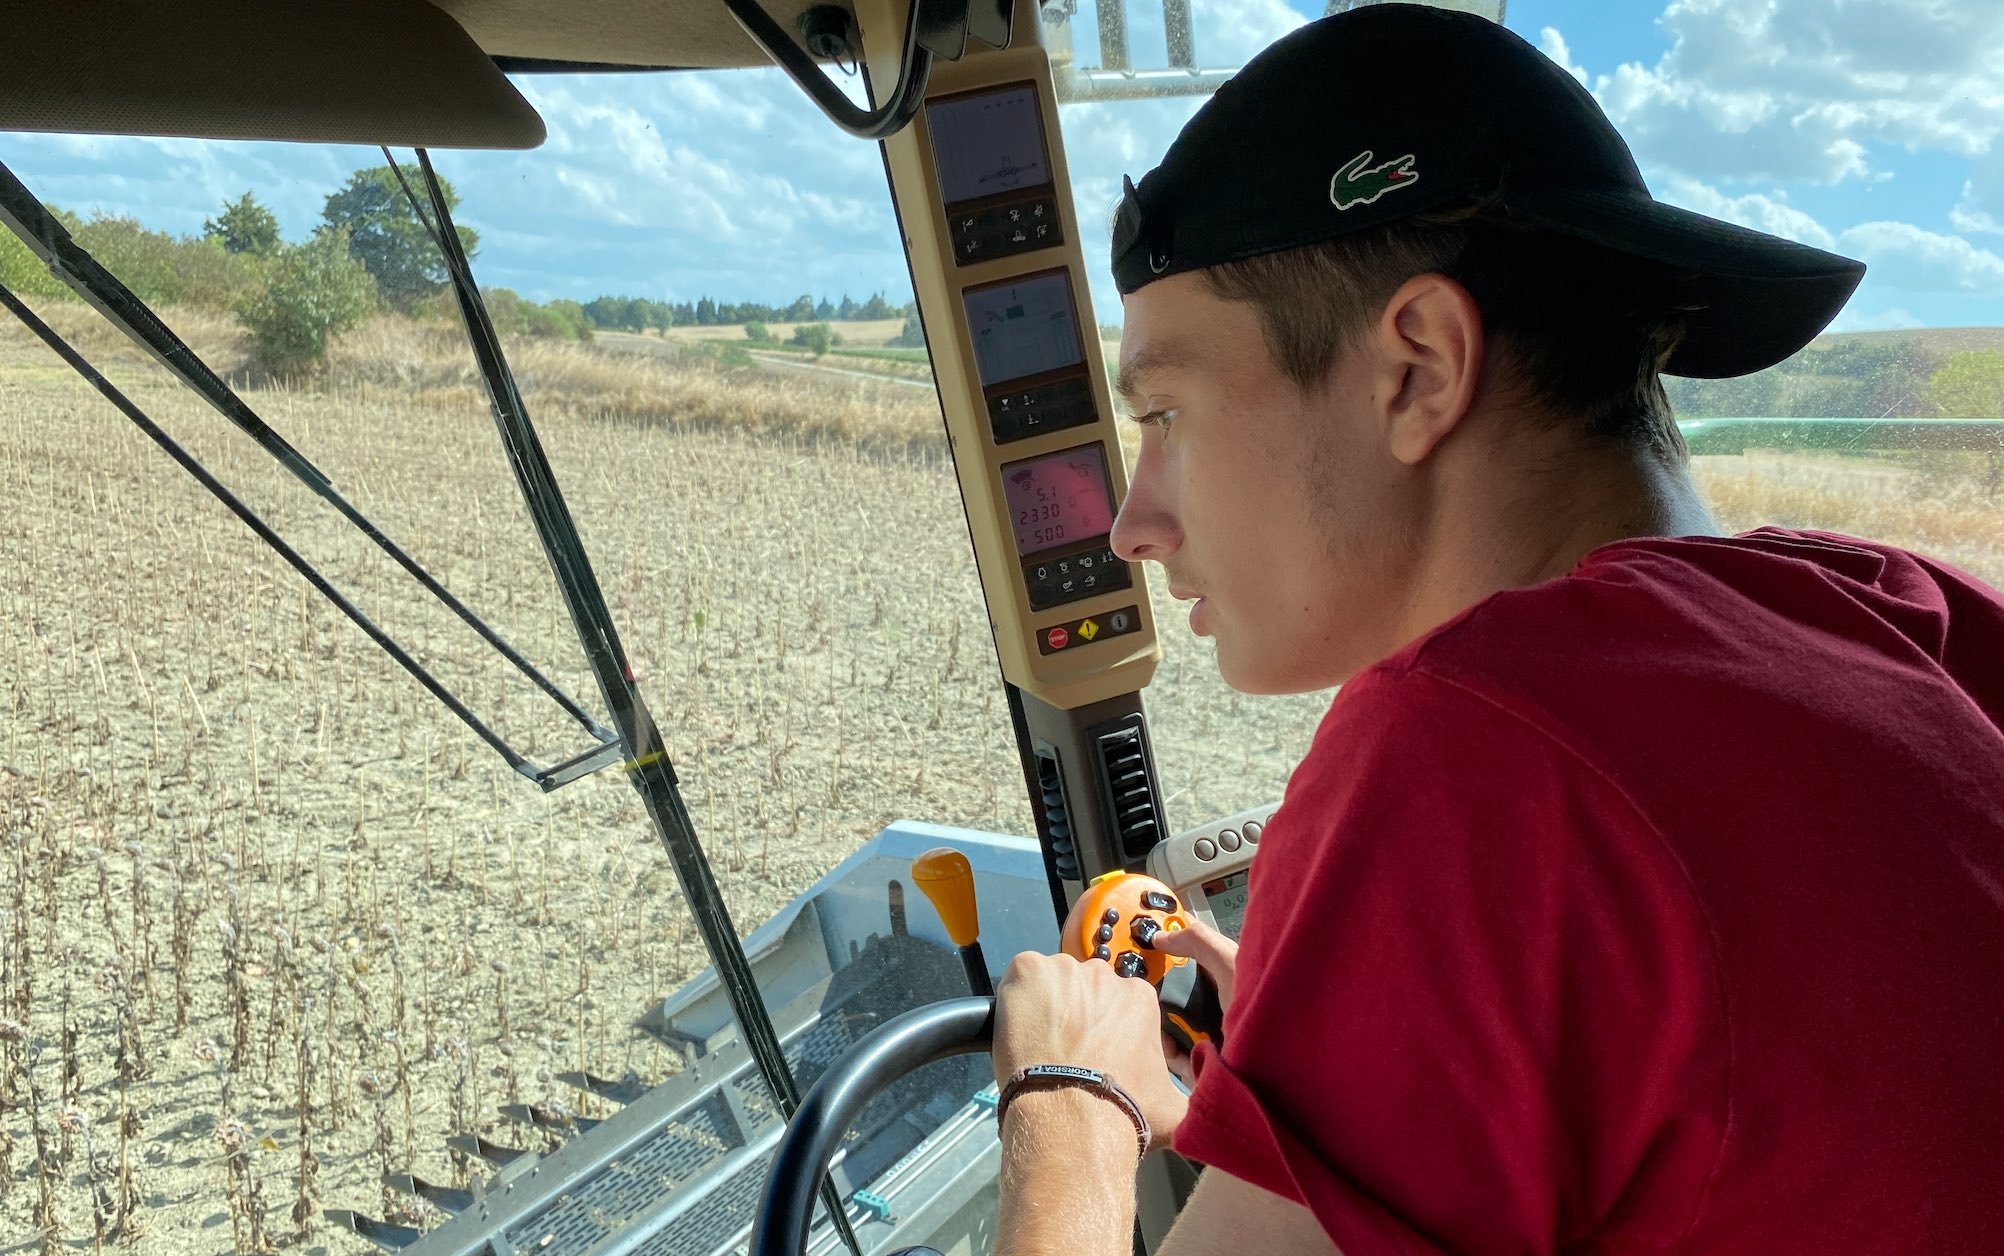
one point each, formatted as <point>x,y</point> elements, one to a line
<point>1058,638</point>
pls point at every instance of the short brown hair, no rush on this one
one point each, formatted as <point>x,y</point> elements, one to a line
<point>1585,329</point>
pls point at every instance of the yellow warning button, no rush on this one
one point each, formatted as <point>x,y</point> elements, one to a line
<point>1088,630</point>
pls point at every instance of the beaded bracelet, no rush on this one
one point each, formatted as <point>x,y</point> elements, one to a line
<point>1053,1076</point>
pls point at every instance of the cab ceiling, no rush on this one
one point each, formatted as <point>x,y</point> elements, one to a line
<point>334,71</point>
<point>692,33</point>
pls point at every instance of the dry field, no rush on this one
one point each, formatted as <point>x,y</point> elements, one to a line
<point>272,922</point>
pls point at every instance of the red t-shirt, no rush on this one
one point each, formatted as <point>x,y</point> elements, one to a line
<point>1659,907</point>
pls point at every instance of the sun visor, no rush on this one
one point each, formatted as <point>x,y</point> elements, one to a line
<point>397,72</point>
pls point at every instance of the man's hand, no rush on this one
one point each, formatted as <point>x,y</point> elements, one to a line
<point>1218,956</point>
<point>1053,1009</point>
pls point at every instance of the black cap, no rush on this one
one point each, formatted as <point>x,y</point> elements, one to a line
<point>1394,109</point>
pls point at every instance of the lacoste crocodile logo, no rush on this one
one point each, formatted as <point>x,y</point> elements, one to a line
<point>1358,182</point>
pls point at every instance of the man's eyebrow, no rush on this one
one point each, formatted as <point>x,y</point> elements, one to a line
<point>1168,356</point>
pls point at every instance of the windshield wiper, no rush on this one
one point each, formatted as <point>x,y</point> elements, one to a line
<point>647,761</point>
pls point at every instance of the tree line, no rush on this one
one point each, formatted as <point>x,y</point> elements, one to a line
<point>370,252</point>
<point>639,314</point>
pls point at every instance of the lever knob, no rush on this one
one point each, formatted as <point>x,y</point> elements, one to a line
<point>948,880</point>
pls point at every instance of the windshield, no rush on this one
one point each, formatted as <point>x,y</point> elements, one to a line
<point>274,924</point>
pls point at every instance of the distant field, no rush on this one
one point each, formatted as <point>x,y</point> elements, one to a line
<point>1939,340</point>
<point>857,333</point>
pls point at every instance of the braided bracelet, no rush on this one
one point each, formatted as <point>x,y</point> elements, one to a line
<point>1055,1076</point>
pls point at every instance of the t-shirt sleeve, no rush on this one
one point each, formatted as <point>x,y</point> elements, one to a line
<point>1478,1008</point>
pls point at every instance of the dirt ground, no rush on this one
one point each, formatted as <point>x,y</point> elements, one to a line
<point>271,921</point>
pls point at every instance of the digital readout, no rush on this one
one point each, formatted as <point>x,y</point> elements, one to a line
<point>1226,897</point>
<point>1023,328</point>
<point>987,144</point>
<point>1059,500</point>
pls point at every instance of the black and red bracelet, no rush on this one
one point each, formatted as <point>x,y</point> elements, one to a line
<point>1056,1076</point>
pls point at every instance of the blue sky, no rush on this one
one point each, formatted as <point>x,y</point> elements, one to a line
<point>1873,127</point>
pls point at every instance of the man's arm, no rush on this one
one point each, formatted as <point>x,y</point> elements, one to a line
<point>1067,1189</point>
<point>1069,1154</point>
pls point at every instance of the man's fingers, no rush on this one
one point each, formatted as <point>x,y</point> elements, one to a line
<point>1211,949</point>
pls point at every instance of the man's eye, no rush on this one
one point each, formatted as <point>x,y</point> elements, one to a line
<point>1155,418</point>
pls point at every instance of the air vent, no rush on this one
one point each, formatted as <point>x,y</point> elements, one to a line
<point>1057,814</point>
<point>1127,774</point>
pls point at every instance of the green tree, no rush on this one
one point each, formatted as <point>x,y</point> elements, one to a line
<point>315,291</point>
<point>23,273</point>
<point>384,234</point>
<point>801,311</point>
<point>244,226</point>
<point>755,331</point>
<point>815,336</point>
<point>913,336</point>
<point>1969,385</point>
<point>876,308</point>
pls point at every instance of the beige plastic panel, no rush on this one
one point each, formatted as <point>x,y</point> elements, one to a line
<point>1080,674</point>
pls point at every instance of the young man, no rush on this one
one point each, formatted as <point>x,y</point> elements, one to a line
<point>1644,887</point>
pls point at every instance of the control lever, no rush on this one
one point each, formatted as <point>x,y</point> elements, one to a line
<point>948,880</point>
<point>1117,920</point>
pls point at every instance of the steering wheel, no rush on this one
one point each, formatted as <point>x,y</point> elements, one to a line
<point>895,1048</point>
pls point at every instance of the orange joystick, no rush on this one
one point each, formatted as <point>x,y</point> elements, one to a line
<point>948,882</point>
<point>1116,920</point>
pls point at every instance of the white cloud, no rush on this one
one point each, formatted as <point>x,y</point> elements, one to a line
<point>1798,89</point>
<point>1910,259</point>
<point>1982,205</point>
<point>1854,319</point>
<point>1553,45</point>
<point>1770,213</point>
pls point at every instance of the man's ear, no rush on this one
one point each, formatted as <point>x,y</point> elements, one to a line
<point>1430,347</point>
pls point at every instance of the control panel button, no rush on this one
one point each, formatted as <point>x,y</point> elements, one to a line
<point>1018,226</point>
<point>1205,848</point>
<point>1080,631</point>
<point>1252,830</point>
<point>1229,839</point>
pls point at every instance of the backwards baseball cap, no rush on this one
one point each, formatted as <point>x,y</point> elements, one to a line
<point>1391,110</point>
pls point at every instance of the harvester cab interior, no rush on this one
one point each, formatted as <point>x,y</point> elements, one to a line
<point>828,1093</point>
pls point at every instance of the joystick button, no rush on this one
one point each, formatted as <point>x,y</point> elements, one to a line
<point>1112,916</point>
<point>1145,930</point>
<point>1103,934</point>
<point>1100,952</point>
<point>1130,965</point>
<point>1156,900</point>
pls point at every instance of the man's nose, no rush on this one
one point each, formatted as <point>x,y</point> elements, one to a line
<point>1146,527</point>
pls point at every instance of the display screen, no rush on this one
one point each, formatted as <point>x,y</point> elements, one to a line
<point>1059,500</point>
<point>1226,897</point>
<point>987,144</point>
<point>1023,328</point>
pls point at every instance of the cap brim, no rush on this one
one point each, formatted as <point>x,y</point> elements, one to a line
<point>1758,298</point>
